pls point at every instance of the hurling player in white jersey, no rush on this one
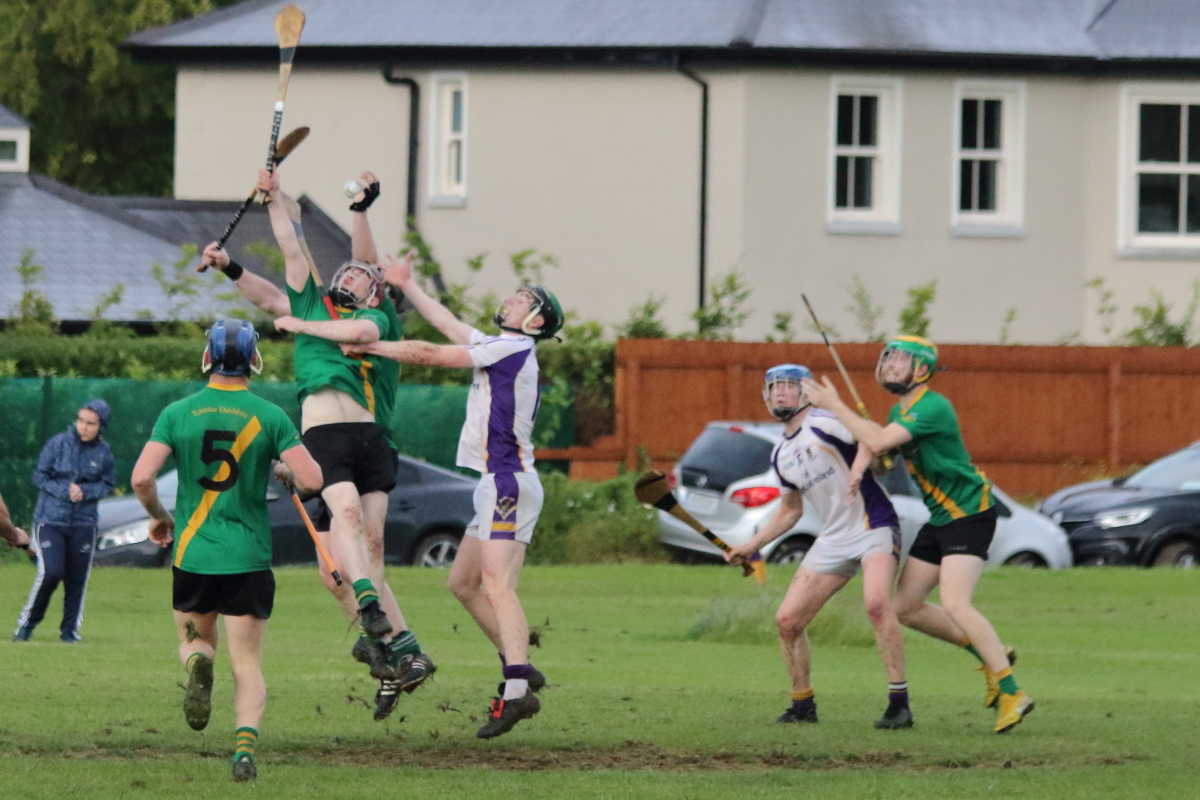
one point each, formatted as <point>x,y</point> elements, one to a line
<point>501,408</point>
<point>818,460</point>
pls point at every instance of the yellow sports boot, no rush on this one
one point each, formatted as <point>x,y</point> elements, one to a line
<point>993,684</point>
<point>1013,708</point>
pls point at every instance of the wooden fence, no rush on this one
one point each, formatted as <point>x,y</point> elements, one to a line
<point>1034,418</point>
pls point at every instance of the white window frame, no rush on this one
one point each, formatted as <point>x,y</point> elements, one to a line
<point>21,137</point>
<point>1008,218</point>
<point>883,218</point>
<point>444,191</point>
<point>1131,243</point>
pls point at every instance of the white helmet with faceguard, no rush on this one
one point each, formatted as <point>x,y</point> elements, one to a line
<point>777,390</point>
<point>347,298</point>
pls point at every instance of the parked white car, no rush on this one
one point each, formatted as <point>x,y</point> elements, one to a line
<point>726,481</point>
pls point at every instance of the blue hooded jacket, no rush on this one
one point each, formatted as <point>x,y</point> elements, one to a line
<point>67,459</point>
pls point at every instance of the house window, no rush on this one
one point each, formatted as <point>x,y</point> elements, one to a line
<point>448,181</point>
<point>864,177</point>
<point>8,150</point>
<point>1160,186</point>
<point>988,175</point>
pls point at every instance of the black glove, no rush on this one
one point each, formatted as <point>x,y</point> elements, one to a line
<point>369,195</point>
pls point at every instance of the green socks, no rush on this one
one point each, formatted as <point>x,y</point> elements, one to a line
<point>404,644</point>
<point>247,742</point>
<point>1008,684</point>
<point>965,644</point>
<point>364,592</point>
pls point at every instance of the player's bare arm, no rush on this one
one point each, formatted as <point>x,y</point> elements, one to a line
<point>424,353</point>
<point>862,461</point>
<point>362,242</point>
<point>358,331</point>
<point>791,508</point>
<point>10,533</point>
<point>265,295</point>
<point>145,486</point>
<point>303,470</point>
<point>285,232</point>
<point>399,274</point>
<point>876,437</point>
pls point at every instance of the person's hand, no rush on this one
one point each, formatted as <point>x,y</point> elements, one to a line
<point>75,493</point>
<point>370,191</point>
<point>285,476</point>
<point>162,531</point>
<point>822,395</point>
<point>355,349</point>
<point>288,324</point>
<point>855,481</point>
<point>397,273</point>
<point>268,181</point>
<point>741,554</point>
<point>214,256</point>
<point>21,538</point>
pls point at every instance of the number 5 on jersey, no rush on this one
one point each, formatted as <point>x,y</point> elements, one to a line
<point>210,453</point>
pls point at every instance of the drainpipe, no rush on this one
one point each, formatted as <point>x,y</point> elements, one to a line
<point>687,73</point>
<point>414,141</point>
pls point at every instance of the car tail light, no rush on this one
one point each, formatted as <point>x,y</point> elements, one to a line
<point>672,481</point>
<point>754,496</point>
<point>736,429</point>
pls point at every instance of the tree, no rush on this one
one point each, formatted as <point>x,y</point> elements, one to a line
<point>101,123</point>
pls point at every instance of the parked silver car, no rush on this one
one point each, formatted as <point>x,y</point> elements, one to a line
<point>725,480</point>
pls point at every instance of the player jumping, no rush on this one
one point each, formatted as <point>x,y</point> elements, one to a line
<point>951,548</point>
<point>223,439</point>
<point>818,460</point>
<point>501,409</point>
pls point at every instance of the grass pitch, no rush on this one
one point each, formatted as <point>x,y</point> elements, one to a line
<point>662,685</point>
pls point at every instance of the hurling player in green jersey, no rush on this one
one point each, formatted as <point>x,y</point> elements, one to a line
<point>951,548</point>
<point>346,410</point>
<point>224,440</point>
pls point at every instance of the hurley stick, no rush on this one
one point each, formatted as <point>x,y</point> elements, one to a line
<point>652,488</point>
<point>312,531</point>
<point>282,150</point>
<point>289,24</point>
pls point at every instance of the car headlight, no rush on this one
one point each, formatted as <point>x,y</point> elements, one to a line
<point>1122,518</point>
<point>132,533</point>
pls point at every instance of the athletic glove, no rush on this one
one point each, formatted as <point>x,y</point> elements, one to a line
<point>369,195</point>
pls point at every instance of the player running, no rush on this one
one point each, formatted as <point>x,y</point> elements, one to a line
<point>501,409</point>
<point>951,548</point>
<point>818,460</point>
<point>223,439</point>
<point>346,405</point>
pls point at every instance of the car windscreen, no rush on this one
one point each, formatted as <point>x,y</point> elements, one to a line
<point>721,456</point>
<point>1174,472</point>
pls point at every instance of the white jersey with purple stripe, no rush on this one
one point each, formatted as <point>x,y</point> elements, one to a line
<point>501,405</point>
<point>816,460</point>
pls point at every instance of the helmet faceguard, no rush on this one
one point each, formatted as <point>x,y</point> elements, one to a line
<point>542,302</point>
<point>777,394</point>
<point>348,299</point>
<point>232,349</point>
<point>905,363</point>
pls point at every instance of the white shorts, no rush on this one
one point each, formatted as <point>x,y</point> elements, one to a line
<point>507,505</point>
<point>844,555</point>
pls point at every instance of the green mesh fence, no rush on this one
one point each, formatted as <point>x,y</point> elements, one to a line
<point>425,425</point>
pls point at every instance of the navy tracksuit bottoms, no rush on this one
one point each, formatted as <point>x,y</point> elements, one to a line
<point>64,556</point>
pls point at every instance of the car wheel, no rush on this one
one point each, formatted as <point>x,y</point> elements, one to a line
<point>436,550</point>
<point>791,552</point>
<point>1025,559</point>
<point>1182,554</point>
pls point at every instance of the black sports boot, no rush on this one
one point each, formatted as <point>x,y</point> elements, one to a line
<point>244,769</point>
<point>374,622</point>
<point>895,717</point>
<point>414,671</point>
<point>197,700</point>
<point>374,654</point>
<point>806,712</point>
<point>503,715</point>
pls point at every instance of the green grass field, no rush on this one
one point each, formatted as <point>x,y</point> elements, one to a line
<point>662,685</point>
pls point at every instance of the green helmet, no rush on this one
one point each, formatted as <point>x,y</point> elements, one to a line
<point>544,303</point>
<point>917,357</point>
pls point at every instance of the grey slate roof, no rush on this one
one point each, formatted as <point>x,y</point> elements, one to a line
<point>10,120</point>
<point>1084,30</point>
<point>88,244</point>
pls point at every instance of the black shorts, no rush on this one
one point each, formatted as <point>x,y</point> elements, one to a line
<point>245,594</point>
<point>353,452</point>
<point>966,536</point>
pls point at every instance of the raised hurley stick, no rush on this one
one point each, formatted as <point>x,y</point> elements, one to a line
<point>652,489</point>
<point>286,145</point>
<point>312,531</point>
<point>289,24</point>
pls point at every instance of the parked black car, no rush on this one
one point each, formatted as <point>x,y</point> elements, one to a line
<point>428,512</point>
<point>1150,518</point>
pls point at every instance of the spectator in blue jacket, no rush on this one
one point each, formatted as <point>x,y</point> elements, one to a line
<point>73,472</point>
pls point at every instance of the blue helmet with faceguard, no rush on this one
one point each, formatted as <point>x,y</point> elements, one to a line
<point>786,374</point>
<point>232,349</point>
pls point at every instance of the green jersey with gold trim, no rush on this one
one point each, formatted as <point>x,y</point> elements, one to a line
<point>224,439</point>
<point>952,486</point>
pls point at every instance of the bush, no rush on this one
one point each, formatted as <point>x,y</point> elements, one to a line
<point>584,522</point>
